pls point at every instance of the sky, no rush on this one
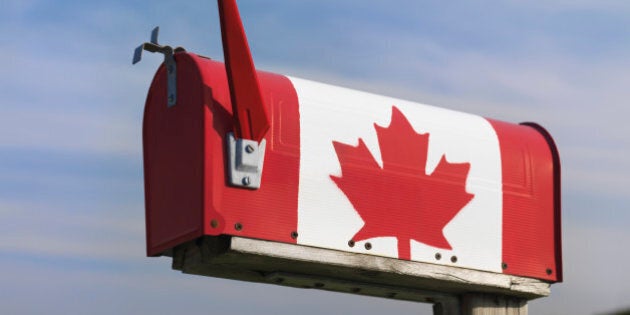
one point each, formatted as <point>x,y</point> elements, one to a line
<point>71,185</point>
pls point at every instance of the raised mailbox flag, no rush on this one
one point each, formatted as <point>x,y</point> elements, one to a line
<point>345,170</point>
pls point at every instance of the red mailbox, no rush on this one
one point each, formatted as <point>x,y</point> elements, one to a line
<point>263,156</point>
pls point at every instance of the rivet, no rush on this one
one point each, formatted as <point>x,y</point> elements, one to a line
<point>238,226</point>
<point>249,148</point>
<point>368,246</point>
<point>549,271</point>
<point>246,181</point>
<point>438,256</point>
<point>351,243</point>
<point>453,259</point>
<point>214,223</point>
<point>294,235</point>
<point>504,265</point>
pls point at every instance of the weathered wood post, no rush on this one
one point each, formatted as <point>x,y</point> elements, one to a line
<point>266,178</point>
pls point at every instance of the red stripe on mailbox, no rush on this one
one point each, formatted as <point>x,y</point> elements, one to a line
<point>185,180</point>
<point>531,227</point>
<point>269,212</point>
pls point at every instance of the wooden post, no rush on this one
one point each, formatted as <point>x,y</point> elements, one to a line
<point>491,304</point>
<point>481,304</point>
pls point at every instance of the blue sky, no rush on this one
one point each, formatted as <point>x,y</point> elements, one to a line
<point>71,190</point>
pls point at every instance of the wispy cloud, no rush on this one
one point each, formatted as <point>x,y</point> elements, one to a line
<point>70,130</point>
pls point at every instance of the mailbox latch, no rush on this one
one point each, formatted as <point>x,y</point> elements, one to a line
<point>245,164</point>
<point>169,63</point>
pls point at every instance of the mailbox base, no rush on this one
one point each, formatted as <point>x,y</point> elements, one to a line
<point>308,267</point>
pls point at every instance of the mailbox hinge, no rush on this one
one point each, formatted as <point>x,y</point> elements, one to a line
<point>245,163</point>
<point>169,63</point>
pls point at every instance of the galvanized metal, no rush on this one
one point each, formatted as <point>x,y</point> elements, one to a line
<point>169,63</point>
<point>246,160</point>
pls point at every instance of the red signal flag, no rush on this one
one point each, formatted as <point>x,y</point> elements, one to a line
<point>250,113</point>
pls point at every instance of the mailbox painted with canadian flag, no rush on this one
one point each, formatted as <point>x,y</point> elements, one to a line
<point>258,155</point>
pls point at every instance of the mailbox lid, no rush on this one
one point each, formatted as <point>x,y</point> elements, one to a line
<point>172,139</point>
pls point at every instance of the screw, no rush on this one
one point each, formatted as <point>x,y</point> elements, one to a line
<point>504,265</point>
<point>368,246</point>
<point>351,243</point>
<point>246,181</point>
<point>453,259</point>
<point>438,256</point>
<point>214,223</point>
<point>249,148</point>
<point>238,226</point>
<point>294,235</point>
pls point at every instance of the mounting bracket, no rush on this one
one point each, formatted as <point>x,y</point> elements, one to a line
<point>245,163</point>
<point>169,63</point>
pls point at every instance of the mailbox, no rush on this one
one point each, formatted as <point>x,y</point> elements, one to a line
<point>233,153</point>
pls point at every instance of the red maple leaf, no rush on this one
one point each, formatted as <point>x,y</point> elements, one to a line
<point>400,199</point>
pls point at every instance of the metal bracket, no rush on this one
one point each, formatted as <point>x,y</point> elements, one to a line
<point>245,164</point>
<point>169,63</point>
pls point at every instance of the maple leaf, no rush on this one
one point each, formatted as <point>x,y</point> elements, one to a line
<point>400,199</point>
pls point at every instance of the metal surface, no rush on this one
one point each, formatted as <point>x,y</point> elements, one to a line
<point>246,159</point>
<point>510,222</point>
<point>169,63</point>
